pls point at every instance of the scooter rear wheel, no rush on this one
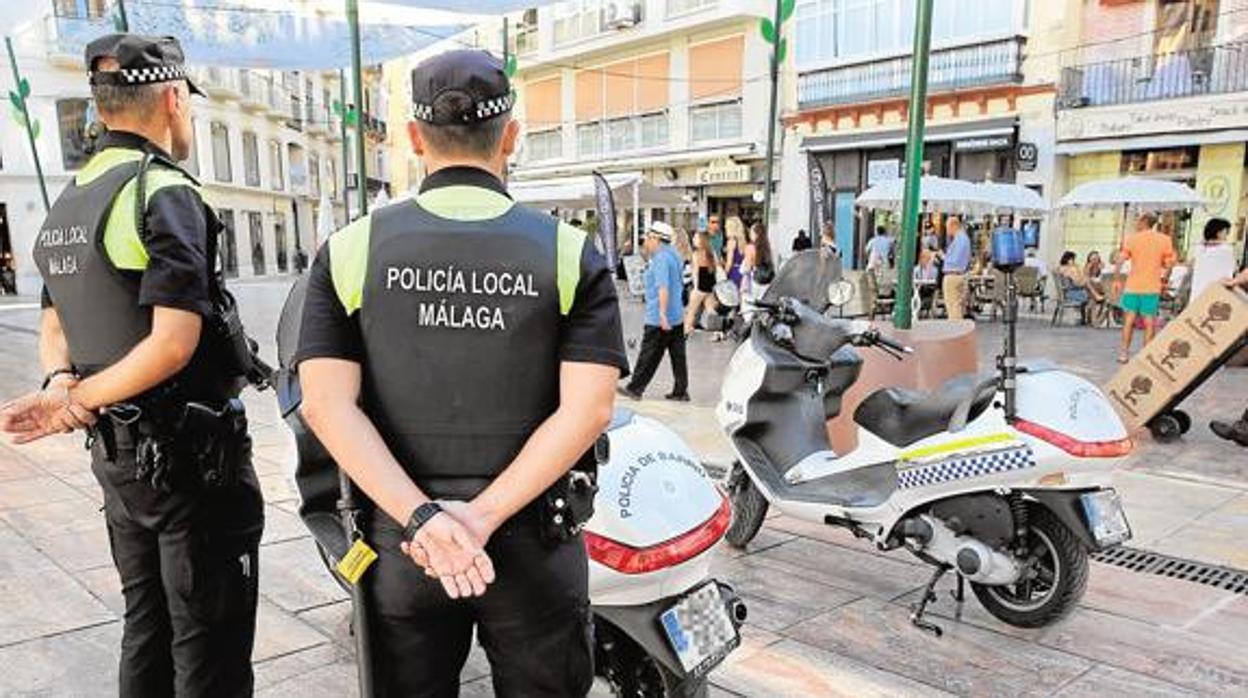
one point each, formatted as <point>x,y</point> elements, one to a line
<point>1060,563</point>
<point>749,508</point>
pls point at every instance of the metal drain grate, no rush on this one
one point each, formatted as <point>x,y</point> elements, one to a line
<point>1175,568</point>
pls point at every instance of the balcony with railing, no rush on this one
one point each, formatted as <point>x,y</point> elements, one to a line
<point>253,88</point>
<point>974,65</point>
<point>1210,70</point>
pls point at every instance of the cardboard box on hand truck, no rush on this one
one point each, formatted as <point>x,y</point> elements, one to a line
<point>1180,357</point>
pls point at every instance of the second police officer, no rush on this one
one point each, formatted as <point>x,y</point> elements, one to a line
<point>139,333</point>
<point>458,356</point>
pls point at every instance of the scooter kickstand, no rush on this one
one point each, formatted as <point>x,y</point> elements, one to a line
<point>929,595</point>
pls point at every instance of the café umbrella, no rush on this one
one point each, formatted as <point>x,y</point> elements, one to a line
<point>1137,192</point>
<point>1004,197</point>
<point>935,193</point>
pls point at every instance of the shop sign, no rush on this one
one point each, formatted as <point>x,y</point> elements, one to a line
<point>882,170</point>
<point>723,172</point>
<point>1025,157</point>
<point>1201,114</point>
<point>975,145</point>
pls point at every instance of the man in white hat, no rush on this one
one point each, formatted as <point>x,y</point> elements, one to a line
<point>665,313</point>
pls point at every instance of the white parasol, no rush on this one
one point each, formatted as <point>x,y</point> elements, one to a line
<point>324,220</point>
<point>936,194</point>
<point>1003,197</point>
<point>1142,193</point>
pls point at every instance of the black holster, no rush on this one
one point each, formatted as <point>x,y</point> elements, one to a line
<point>569,504</point>
<point>188,445</point>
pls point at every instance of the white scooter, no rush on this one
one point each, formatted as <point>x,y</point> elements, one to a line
<point>661,622</point>
<point>1012,494</point>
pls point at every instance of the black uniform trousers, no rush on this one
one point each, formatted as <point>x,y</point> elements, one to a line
<point>189,569</point>
<point>655,341</point>
<point>533,622</point>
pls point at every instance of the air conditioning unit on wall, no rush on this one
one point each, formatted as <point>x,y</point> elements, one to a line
<point>621,14</point>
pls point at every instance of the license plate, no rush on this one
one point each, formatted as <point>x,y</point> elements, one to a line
<point>1106,519</point>
<point>699,630</point>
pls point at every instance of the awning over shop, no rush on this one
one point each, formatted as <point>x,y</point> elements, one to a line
<point>940,132</point>
<point>1152,142</point>
<point>578,192</point>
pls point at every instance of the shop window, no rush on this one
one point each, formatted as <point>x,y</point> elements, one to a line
<point>277,178</point>
<point>255,229</point>
<point>715,122</point>
<point>279,240</point>
<point>251,159</point>
<point>222,171</point>
<point>332,170</point>
<point>621,135</point>
<point>80,9</point>
<point>1166,160</point>
<point>229,242</point>
<point>578,19</point>
<point>589,139</point>
<point>544,145</point>
<point>71,117</point>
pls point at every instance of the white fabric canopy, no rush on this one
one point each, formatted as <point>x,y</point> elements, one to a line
<point>324,220</point>
<point>1012,198</point>
<point>1142,193</point>
<point>578,192</point>
<point>935,193</point>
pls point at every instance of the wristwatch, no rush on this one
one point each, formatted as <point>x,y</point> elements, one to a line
<point>419,518</point>
<point>47,380</point>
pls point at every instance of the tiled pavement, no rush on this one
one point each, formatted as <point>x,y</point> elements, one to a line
<point>828,615</point>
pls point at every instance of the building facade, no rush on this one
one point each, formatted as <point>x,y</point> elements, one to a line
<point>991,85</point>
<point>1156,88</point>
<point>267,149</point>
<point>672,93</point>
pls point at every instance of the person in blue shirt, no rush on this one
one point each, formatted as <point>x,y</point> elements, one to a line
<point>664,330</point>
<point>957,262</point>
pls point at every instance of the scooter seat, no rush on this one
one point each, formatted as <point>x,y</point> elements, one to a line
<point>902,417</point>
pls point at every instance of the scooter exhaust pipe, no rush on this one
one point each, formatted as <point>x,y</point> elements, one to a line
<point>737,610</point>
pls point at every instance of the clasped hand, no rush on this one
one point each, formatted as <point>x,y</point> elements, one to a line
<point>45,412</point>
<point>451,548</point>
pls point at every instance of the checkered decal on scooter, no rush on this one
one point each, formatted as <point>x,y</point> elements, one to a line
<point>703,628</point>
<point>978,465</point>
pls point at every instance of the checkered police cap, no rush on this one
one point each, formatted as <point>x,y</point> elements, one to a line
<point>142,60</point>
<point>475,76</point>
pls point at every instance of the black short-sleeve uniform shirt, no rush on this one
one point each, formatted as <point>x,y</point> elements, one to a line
<point>590,333</point>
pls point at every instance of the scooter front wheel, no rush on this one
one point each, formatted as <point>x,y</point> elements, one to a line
<point>1056,576</point>
<point>749,508</point>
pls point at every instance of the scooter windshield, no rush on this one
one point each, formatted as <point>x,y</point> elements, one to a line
<point>806,276</point>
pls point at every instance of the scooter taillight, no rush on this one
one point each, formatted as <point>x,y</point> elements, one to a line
<point>1073,446</point>
<point>629,560</point>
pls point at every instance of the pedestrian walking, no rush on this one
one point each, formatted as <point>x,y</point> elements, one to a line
<point>716,234</point>
<point>1151,254</point>
<point>458,355</point>
<point>702,297</point>
<point>827,239</point>
<point>956,264</point>
<point>134,346</point>
<point>880,250</point>
<point>734,253</point>
<point>1213,259</point>
<point>757,265</point>
<point>802,242</point>
<point>663,330</point>
<point>1237,431</point>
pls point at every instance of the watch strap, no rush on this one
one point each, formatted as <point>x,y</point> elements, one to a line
<point>47,380</point>
<point>420,517</point>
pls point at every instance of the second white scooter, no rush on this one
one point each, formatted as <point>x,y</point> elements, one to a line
<point>1010,493</point>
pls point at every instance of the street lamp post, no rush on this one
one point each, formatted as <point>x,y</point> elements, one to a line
<point>914,165</point>
<point>777,56</point>
<point>353,23</point>
<point>18,100</point>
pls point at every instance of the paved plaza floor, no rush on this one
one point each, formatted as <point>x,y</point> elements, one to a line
<point>828,615</point>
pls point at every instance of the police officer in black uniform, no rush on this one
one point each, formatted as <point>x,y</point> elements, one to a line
<point>138,333</point>
<point>458,356</point>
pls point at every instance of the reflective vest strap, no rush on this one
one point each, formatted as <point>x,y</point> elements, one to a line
<point>570,245</point>
<point>104,161</point>
<point>121,233</point>
<point>348,262</point>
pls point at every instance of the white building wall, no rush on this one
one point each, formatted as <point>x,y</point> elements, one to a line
<point>54,77</point>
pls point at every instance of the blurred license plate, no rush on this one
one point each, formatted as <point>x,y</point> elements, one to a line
<point>1106,519</point>
<point>700,631</point>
